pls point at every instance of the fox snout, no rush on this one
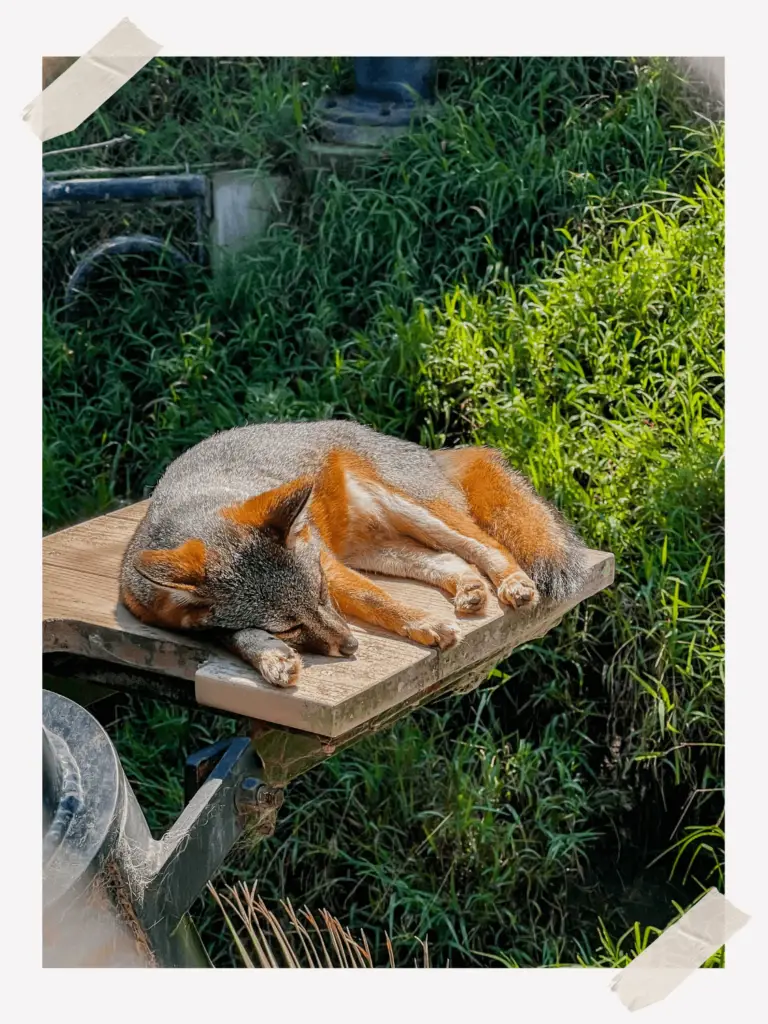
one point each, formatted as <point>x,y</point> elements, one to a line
<point>325,633</point>
<point>345,648</point>
<point>330,635</point>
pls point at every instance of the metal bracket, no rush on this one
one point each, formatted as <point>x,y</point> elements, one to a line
<point>199,766</point>
<point>253,796</point>
<point>195,846</point>
<point>96,838</point>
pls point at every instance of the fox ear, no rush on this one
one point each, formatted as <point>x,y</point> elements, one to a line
<point>282,512</point>
<point>288,521</point>
<point>181,568</point>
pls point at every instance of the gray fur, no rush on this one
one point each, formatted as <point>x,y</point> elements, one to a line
<point>256,582</point>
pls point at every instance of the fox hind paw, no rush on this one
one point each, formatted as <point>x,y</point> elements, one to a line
<point>517,590</point>
<point>471,597</point>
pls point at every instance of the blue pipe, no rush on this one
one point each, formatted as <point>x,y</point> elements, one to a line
<point>151,187</point>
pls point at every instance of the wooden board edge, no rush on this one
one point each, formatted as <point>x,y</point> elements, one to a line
<point>496,642</point>
<point>219,686</point>
<point>148,654</point>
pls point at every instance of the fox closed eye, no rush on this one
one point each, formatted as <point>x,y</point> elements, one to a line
<point>292,633</point>
<point>278,625</point>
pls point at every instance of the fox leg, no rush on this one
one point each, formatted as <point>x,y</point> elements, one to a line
<point>447,528</point>
<point>405,558</point>
<point>505,505</point>
<point>357,596</point>
<point>442,526</point>
<point>275,660</point>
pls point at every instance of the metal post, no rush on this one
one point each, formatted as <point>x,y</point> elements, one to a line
<point>149,188</point>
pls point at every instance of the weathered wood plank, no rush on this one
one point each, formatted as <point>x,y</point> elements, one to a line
<point>82,615</point>
<point>95,547</point>
<point>133,512</point>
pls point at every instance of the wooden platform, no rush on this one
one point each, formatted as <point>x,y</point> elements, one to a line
<point>81,615</point>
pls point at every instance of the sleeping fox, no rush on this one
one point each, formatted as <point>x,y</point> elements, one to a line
<point>258,534</point>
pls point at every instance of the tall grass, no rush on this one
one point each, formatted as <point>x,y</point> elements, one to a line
<point>538,267</point>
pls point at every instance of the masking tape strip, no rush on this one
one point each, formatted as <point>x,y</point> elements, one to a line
<point>709,70</point>
<point>678,951</point>
<point>90,81</point>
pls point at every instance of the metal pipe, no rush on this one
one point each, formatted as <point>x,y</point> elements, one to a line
<point>130,190</point>
<point>123,245</point>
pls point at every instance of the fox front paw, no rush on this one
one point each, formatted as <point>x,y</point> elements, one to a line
<point>517,590</point>
<point>433,633</point>
<point>280,668</point>
<point>471,597</point>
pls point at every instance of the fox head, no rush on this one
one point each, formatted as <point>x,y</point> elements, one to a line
<point>263,572</point>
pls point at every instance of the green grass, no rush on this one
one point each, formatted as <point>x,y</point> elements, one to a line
<point>283,937</point>
<point>539,267</point>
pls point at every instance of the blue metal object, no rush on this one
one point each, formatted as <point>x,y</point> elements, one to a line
<point>127,190</point>
<point>147,188</point>
<point>386,97</point>
<point>395,79</point>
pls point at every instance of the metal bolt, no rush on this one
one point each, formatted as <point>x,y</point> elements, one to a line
<point>249,786</point>
<point>253,794</point>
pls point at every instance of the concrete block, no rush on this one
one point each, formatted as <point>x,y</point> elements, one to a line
<point>244,204</point>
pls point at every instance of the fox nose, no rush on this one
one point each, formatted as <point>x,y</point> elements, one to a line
<point>348,647</point>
